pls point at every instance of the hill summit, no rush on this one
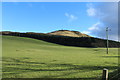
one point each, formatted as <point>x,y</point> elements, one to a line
<point>60,37</point>
<point>68,33</point>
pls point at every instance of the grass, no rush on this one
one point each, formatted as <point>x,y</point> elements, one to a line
<point>31,58</point>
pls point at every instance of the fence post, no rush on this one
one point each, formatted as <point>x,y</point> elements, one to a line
<point>105,74</point>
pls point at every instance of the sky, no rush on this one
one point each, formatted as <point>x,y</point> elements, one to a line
<point>90,18</point>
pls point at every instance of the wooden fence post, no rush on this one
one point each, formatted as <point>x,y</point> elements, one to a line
<point>105,74</point>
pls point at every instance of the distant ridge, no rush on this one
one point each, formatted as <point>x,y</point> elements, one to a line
<point>65,38</point>
<point>68,33</point>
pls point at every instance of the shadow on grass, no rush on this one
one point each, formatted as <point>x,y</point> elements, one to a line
<point>19,60</point>
<point>48,79</point>
<point>111,56</point>
<point>9,69</point>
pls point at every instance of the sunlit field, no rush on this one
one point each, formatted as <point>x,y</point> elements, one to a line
<point>31,58</point>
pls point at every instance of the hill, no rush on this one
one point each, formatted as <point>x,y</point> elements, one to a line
<point>27,58</point>
<point>66,40</point>
<point>68,33</point>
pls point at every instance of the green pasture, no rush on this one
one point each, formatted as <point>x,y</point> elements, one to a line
<point>30,58</point>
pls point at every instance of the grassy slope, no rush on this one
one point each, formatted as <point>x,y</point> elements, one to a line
<point>30,58</point>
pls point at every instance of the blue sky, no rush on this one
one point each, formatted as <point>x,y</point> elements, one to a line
<point>45,17</point>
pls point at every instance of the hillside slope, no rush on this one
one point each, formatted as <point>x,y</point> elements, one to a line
<point>30,58</point>
<point>66,40</point>
<point>68,33</point>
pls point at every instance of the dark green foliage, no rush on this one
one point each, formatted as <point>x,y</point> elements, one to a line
<point>65,40</point>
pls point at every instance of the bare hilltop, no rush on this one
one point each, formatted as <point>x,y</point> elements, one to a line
<point>68,33</point>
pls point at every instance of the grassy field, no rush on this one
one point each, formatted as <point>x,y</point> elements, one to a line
<point>31,58</point>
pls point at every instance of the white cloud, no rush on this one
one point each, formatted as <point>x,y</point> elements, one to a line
<point>71,17</point>
<point>86,32</point>
<point>95,26</point>
<point>107,14</point>
<point>91,11</point>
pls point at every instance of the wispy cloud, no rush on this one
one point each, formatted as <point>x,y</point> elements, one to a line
<point>95,26</point>
<point>107,14</point>
<point>86,32</point>
<point>91,10</point>
<point>71,17</point>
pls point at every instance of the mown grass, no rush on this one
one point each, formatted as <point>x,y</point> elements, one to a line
<point>31,58</point>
